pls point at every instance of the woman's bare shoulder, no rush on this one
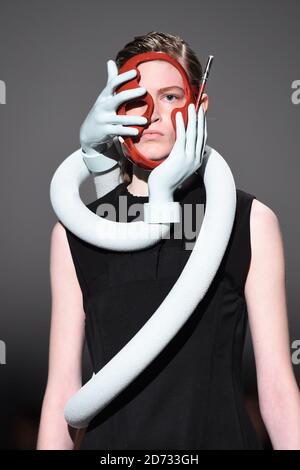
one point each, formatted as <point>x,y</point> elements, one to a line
<point>58,233</point>
<point>262,215</point>
<point>60,249</point>
<point>266,236</point>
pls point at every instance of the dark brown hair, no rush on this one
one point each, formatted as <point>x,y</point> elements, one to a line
<point>176,47</point>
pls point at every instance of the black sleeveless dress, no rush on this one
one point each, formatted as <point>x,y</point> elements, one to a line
<point>191,395</point>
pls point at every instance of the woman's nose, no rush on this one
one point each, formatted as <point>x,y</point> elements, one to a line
<point>156,114</point>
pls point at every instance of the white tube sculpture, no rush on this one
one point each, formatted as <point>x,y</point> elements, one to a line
<point>191,285</point>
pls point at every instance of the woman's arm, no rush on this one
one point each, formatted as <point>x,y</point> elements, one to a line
<point>65,349</point>
<point>265,295</point>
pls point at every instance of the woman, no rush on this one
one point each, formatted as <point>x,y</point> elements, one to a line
<point>191,396</point>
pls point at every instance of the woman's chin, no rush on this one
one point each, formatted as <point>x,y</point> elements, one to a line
<point>153,154</point>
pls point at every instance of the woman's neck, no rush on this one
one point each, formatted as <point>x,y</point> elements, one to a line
<point>139,183</point>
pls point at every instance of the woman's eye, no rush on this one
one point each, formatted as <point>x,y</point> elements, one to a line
<point>178,97</point>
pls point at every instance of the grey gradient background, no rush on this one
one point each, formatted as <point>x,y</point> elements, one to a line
<point>53,59</point>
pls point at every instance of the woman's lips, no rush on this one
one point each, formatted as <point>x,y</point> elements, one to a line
<point>152,136</point>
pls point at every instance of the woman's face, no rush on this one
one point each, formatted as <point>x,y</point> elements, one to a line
<point>165,84</point>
